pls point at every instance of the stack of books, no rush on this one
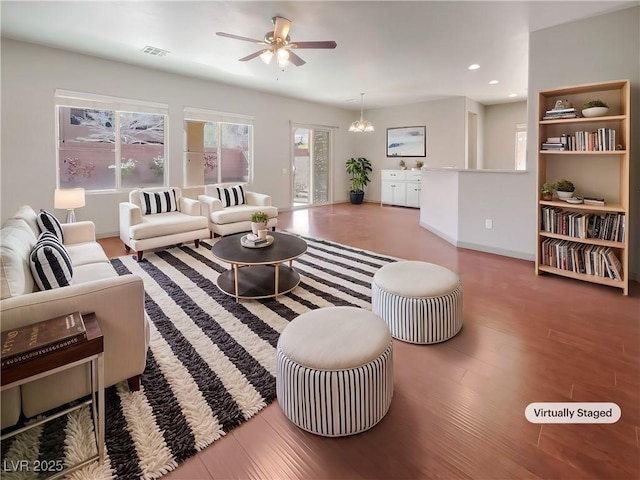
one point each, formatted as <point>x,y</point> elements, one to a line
<point>555,143</point>
<point>593,201</point>
<point>556,114</point>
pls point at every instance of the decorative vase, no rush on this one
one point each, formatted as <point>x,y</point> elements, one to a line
<point>255,227</point>
<point>595,112</point>
<point>564,195</point>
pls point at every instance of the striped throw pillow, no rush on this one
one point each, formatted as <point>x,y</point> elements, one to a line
<point>158,202</point>
<point>50,263</point>
<point>231,196</point>
<point>49,223</point>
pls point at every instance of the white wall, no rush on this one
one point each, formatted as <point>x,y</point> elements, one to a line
<point>31,73</point>
<point>445,140</point>
<point>597,49</point>
<point>500,134</point>
<point>477,149</point>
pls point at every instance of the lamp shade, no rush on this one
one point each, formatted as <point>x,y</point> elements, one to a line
<point>69,198</point>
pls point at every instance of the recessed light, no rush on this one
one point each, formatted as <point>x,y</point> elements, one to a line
<point>493,82</point>
<point>475,66</point>
<point>513,94</point>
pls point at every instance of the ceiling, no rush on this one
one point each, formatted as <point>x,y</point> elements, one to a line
<point>395,52</point>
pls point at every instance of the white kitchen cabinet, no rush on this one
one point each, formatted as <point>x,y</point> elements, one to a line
<point>401,187</point>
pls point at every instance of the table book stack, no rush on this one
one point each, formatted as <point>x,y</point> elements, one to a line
<point>25,343</point>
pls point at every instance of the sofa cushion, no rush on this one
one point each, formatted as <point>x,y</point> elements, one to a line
<point>16,241</point>
<point>85,254</point>
<point>48,223</point>
<point>231,196</point>
<point>92,272</point>
<point>158,202</point>
<point>50,265</point>
<point>30,216</point>
<point>166,224</point>
<point>241,213</point>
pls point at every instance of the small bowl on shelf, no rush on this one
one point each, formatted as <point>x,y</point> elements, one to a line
<point>595,112</point>
<point>564,195</point>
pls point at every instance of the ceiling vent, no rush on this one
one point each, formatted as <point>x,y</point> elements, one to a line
<point>155,51</point>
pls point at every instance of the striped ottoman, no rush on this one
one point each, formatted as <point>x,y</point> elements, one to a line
<point>334,372</point>
<point>421,302</point>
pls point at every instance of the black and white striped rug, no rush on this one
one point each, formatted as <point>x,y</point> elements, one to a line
<point>211,362</point>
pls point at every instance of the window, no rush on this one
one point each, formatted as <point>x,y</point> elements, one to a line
<point>521,146</point>
<point>105,144</point>
<point>219,148</point>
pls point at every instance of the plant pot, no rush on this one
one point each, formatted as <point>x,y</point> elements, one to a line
<point>356,197</point>
<point>257,226</point>
<point>547,196</point>
<point>595,111</point>
<point>564,195</point>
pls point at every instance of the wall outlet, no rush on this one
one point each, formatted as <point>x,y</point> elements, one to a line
<point>488,223</point>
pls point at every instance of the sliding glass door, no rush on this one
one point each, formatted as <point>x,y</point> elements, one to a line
<point>311,165</point>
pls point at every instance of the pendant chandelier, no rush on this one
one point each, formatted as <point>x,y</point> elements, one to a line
<point>361,125</point>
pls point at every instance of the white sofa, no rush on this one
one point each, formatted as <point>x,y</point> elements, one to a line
<point>237,218</point>
<point>142,232</point>
<point>118,302</point>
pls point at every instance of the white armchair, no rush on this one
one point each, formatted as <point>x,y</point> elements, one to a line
<point>178,221</point>
<point>226,220</point>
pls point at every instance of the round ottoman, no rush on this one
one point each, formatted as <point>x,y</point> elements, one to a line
<point>334,372</point>
<point>421,302</point>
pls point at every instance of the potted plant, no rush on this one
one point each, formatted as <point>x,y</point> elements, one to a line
<point>358,168</point>
<point>565,189</point>
<point>594,108</point>
<point>547,190</point>
<point>419,164</point>
<point>258,222</point>
<point>403,165</point>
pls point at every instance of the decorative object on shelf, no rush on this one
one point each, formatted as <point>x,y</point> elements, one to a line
<point>564,189</point>
<point>69,199</point>
<point>403,165</point>
<point>358,168</point>
<point>253,241</point>
<point>547,191</point>
<point>559,105</point>
<point>594,108</point>
<point>361,125</point>
<point>259,222</point>
<point>406,142</point>
<point>419,165</point>
<point>574,200</point>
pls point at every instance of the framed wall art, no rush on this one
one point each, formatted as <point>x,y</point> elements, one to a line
<point>406,142</point>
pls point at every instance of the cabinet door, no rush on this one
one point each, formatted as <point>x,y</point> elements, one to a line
<point>387,190</point>
<point>413,194</point>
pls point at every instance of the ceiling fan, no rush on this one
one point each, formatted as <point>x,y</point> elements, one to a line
<point>278,43</point>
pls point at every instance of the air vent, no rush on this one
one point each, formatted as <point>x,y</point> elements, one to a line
<point>155,51</point>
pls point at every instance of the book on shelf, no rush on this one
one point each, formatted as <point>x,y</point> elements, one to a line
<point>24,343</point>
<point>593,201</point>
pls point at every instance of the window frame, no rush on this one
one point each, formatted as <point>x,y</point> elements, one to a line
<point>88,101</point>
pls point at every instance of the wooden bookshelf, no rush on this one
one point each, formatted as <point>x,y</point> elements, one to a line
<point>603,174</point>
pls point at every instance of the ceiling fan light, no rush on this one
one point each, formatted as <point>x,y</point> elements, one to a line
<point>266,56</point>
<point>283,57</point>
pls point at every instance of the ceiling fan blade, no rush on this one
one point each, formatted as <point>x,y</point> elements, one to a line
<point>295,59</point>
<point>238,37</point>
<point>324,44</point>
<point>281,27</point>
<point>254,55</point>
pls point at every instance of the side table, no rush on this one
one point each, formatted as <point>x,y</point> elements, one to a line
<point>90,350</point>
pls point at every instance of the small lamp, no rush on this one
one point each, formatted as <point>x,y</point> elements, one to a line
<point>69,199</point>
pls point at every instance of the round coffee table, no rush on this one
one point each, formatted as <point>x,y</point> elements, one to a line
<point>258,272</point>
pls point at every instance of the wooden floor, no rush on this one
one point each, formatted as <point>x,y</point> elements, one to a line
<point>458,407</point>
